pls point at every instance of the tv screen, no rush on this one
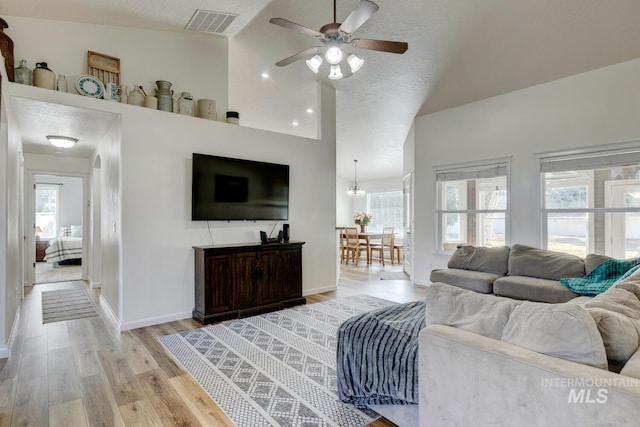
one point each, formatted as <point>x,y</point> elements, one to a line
<point>226,189</point>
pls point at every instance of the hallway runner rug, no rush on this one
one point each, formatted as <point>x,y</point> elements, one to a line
<point>66,304</point>
<point>275,369</point>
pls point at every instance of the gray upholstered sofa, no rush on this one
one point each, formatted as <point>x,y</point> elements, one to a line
<point>520,272</point>
<point>486,360</point>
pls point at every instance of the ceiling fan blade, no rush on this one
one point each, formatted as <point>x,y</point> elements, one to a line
<point>381,45</point>
<point>359,15</point>
<point>295,27</point>
<point>307,53</point>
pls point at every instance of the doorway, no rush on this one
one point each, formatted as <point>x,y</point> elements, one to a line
<point>58,218</point>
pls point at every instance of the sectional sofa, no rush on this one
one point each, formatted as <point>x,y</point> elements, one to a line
<point>487,360</point>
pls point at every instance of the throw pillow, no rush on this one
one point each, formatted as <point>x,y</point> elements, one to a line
<point>617,316</point>
<point>534,262</point>
<point>64,232</point>
<point>591,261</point>
<point>477,258</point>
<point>76,231</point>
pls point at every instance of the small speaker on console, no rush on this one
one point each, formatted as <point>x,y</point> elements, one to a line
<point>285,232</point>
<point>263,237</point>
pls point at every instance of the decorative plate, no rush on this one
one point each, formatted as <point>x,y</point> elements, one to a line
<point>90,86</point>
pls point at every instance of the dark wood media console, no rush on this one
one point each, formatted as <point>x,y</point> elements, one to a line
<point>246,279</point>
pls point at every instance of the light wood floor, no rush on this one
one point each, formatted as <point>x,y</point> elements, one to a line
<point>85,372</point>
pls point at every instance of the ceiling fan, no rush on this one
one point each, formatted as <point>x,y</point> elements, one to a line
<point>334,36</point>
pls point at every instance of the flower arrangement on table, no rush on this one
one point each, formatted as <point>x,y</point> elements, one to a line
<point>362,219</point>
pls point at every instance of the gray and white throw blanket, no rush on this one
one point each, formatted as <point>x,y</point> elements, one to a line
<point>377,356</point>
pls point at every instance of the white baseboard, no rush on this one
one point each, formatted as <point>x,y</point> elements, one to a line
<point>4,352</point>
<point>421,282</point>
<point>154,320</point>
<point>107,308</point>
<point>94,285</point>
<point>319,290</point>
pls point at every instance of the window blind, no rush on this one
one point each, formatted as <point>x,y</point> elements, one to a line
<point>481,172</point>
<point>590,161</point>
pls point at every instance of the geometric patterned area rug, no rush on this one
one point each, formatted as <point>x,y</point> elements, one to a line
<point>275,369</point>
<point>66,304</point>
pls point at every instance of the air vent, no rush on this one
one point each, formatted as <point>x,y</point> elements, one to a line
<point>207,21</point>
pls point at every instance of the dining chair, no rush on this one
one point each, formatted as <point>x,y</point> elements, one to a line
<point>354,245</point>
<point>398,246</point>
<point>386,242</point>
<point>343,245</point>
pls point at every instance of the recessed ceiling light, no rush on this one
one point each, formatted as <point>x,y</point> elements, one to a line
<point>265,75</point>
<point>295,123</point>
<point>309,110</point>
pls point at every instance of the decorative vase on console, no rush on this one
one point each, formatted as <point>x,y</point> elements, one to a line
<point>362,229</point>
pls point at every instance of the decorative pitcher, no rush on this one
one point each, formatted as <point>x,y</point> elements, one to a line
<point>164,95</point>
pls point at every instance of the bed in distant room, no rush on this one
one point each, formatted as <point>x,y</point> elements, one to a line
<point>66,249</point>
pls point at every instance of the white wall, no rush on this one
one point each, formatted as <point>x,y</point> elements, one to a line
<point>193,62</point>
<point>157,233</point>
<point>11,230</point>
<point>590,109</point>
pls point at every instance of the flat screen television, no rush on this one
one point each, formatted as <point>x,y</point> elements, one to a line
<point>226,189</point>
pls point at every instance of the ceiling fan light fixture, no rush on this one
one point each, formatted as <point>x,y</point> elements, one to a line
<point>314,63</point>
<point>334,55</point>
<point>335,73</point>
<point>62,141</point>
<point>354,62</point>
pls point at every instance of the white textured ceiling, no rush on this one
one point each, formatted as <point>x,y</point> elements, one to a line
<point>460,51</point>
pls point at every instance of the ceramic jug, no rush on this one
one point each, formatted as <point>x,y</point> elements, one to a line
<point>23,73</point>
<point>44,77</point>
<point>136,97</point>
<point>164,95</point>
<point>186,105</point>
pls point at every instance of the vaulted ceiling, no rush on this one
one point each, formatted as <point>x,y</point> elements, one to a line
<point>460,51</point>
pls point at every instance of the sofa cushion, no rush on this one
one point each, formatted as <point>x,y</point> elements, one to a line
<point>488,260</point>
<point>535,326</point>
<point>534,262</point>
<point>530,325</point>
<point>632,367</point>
<point>482,314</point>
<point>473,280</point>
<point>532,289</point>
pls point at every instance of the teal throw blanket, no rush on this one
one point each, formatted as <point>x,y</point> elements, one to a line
<point>602,277</point>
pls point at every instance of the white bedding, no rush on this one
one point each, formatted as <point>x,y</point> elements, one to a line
<point>63,248</point>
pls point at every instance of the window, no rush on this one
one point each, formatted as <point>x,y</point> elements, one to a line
<point>591,203</point>
<point>47,210</point>
<point>472,206</point>
<point>386,209</point>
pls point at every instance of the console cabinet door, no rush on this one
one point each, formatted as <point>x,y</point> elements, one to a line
<point>269,277</point>
<point>245,270</point>
<point>218,287</point>
<point>291,281</point>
